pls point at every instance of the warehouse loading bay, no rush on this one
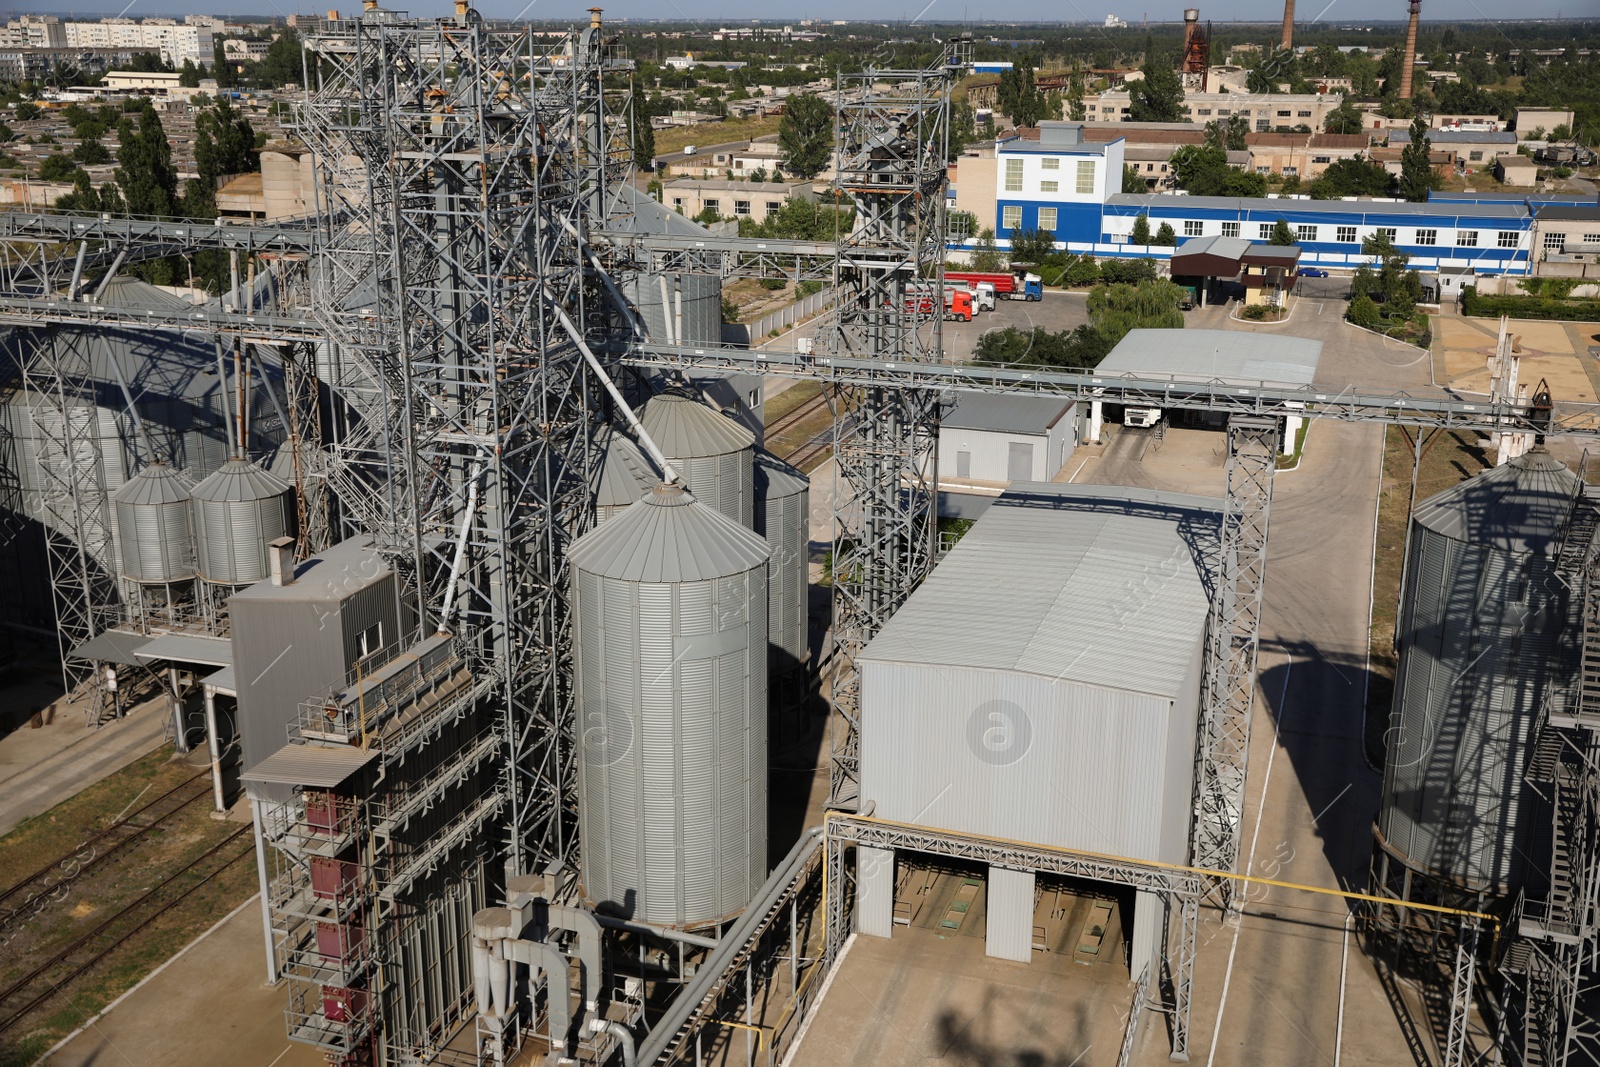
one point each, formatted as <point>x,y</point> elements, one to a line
<point>1282,980</point>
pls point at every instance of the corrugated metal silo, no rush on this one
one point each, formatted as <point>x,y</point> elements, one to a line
<point>155,522</point>
<point>237,511</point>
<point>625,476</point>
<point>783,517</point>
<point>671,611</point>
<point>713,453</point>
<point>1485,630</point>
<point>691,311</point>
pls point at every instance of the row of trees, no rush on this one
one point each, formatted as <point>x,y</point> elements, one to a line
<point>1114,309</point>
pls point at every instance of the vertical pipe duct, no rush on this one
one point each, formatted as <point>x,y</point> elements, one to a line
<point>1409,60</point>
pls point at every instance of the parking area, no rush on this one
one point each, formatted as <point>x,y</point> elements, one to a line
<point>1056,312</point>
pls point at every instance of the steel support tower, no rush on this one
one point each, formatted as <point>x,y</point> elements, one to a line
<point>465,164</point>
<point>891,157</point>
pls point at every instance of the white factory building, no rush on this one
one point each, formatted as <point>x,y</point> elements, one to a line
<point>1043,686</point>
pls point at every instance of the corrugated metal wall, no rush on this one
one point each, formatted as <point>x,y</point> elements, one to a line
<point>1025,757</point>
<point>1008,934</point>
<point>1480,634</point>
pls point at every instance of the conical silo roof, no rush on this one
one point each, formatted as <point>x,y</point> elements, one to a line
<point>684,428</point>
<point>775,478</point>
<point>625,473</point>
<point>239,480</point>
<point>669,537</point>
<point>156,484</point>
<point>1519,506</point>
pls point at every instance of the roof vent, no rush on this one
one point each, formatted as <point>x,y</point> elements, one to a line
<point>1059,134</point>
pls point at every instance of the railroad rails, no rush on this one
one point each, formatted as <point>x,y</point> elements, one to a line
<point>54,880</point>
<point>811,447</point>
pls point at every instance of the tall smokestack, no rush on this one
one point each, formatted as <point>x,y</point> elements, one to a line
<point>1288,25</point>
<point>1191,22</point>
<point>1409,60</point>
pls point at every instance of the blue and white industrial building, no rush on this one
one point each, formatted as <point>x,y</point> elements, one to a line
<point>1058,183</point>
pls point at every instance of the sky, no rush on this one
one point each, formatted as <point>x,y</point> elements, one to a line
<point>1337,12</point>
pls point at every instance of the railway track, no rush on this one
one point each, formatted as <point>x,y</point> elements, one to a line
<point>53,881</point>
<point>67,964</point>
<point>795,417</point>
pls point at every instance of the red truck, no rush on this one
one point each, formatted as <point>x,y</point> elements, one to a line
<point>1006,286</point>
<point>957,304</point>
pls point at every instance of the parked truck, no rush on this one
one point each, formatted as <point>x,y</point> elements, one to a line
<point>957,304</point>
<point>1006,286</point>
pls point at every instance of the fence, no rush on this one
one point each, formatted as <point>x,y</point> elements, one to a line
<point>787,316</point>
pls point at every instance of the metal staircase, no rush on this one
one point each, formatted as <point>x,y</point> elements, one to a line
<point>1551,954</point>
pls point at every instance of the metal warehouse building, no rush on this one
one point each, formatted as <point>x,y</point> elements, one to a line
<point>1043,685</point>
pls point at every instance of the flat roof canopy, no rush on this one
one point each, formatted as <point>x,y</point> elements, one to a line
<point>189,648</point>
<point>316,766</point>
<point>1232,357</point>
<point>112,646</point>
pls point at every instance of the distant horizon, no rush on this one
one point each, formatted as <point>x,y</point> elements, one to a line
<point>1352,14</point>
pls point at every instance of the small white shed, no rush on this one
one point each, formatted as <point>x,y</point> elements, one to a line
<point>1000,439</point>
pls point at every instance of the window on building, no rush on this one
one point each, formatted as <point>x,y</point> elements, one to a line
<point>1345,235</point>
<point>1230,229</point>
<point>1013,175</point>
<point>1192,228</point>
<point>1263,125</point>
<point>1263,170</point>
<point>774,206</point>
<point>1244,113</point>
<point>1163,168</point>
<point>1507,239</point>
<point>1047,219</point>
<point>1591,238</point>
<point>1224,111</point>
<point>1466,238</point>
<point>1049,163</point>
<point>1475,157</point>
<point>1011,217</point>
<point>1553,242</point>
<point>1302,114</point>
<point>1321,159</point>
<point>1427,237</point>
<point>1387,231</point>
<point>677,202</point>
<point>1203,111</point>
<point>711,205</point>
<point>1085,175</point>
<point>1049,187</point>
<point>1150,168</point>
<point>741,207</point>
<point>1305,233</point>
<point>1283,114</point>
<point>1290,170</point>
<point>1264,231</point>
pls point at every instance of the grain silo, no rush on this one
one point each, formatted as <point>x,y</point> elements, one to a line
<point>1485,631</point>
<point>237,511</point>
<point>671,621</point>
<point>783,517</point>
<point>626,475</point>
<point>713,453</point>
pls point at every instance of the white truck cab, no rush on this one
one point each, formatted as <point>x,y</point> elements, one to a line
<point>983,296</point>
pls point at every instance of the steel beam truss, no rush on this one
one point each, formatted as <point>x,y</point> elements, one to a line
<point>892,150</point>
<point>1233,638</point>
<point>467,162</point>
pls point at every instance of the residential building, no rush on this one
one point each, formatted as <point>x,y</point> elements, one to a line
<point>237,51</point>
<point>1443,161</point>
<point>1475,148</point>
<point>173,41</point>
<point>731,199</point>
<point>1529,119</point>
<point>36,31</point>
<point>1303,155</point>
<point>1262,111</point>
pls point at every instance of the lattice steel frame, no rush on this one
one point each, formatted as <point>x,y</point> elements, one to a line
<point>1233,640</point>
<point>892,146</point>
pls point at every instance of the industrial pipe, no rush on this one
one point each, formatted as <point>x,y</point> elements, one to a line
<point>665,932</point>
<point>215,745</point>
<point>105,283</point>
<point>624,1036</point>
<point>666,311</point>
<point>558,972</point>
<point>459,560</point>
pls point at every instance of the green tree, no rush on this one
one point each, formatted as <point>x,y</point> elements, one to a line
<point>1131,181</point>
<point>189,74</point>
<point>1082,270</point>
<point>1203,170</point>
<point>224,144</point>
<point>644,140</point>
<point>1158,97</point>
<point>1079,349</point>
<point>222,69</point>
<point>1165,235</point>
<point>1141,229</point>
<point>963,127</point>
<point>1362,311</point>
<point>1032,246</point>
<point>805,135</point>
<point>1351,177</point>
<point>1228,134</point>
<point>1343,119</point>
<point>27,111</point>
<point>1076,109</point>
<point>1116,309</point>
<point>145,173</point>
<point>1281,233</point>
<point>1416,173</point>
<point>1018,97</point>
<point>147,63</point>
<point>57,168</point>
<point>985,256</point>
<point>284,63</point>
<point>91,152</point>
<point>6,133</point>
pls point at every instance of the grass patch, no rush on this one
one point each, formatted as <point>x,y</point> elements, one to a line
<point>104,889</point>
<point>797,394</point>
<point>1448,458</point>
<point>678,138</point>
<point>1292,457</point>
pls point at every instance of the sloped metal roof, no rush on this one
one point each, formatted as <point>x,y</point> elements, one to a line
<point>1006,414</point>
<point>625,473</point>
<point>239,480</point>
<point>332,574</point>
<point>189,648</point>
<point>316,766</point>
<point>1216,245</point>
<point>156,484</point>
<point>687,429</point>
<point>775,479</point>
<point>1293,209</point>
<point>669,537</point>
<point>126,291</point>
<point>111,646</point>
<point>1091,584</point>
<point>1230,356</point>
<point>1519,506</point>
<point>635,211</point>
